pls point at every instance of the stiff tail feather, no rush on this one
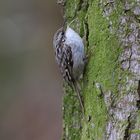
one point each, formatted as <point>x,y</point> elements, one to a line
<point>77,90</point>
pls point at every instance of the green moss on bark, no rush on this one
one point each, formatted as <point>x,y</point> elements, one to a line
<point>103,68</point>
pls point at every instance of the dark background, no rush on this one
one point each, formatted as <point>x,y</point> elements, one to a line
<point>30,83</point>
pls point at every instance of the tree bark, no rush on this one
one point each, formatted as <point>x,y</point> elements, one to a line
<point>111,82</point>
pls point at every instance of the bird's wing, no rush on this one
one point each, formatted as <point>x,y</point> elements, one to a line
<point>66,64</point>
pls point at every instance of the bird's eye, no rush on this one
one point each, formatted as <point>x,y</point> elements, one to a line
<point>62,33</point>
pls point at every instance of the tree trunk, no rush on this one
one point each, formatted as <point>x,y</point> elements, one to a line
<point>111,83</point>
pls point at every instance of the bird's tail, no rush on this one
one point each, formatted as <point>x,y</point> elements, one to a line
<point>77,90</point>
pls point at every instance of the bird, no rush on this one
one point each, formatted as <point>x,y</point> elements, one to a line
<point>70,57</point>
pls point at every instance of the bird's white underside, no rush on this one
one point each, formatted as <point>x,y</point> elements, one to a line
<point>73,37</point>
<point>77,46</point>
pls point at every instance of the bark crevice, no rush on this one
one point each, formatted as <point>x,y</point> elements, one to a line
<point>127,130</point>
<point>138,101</point>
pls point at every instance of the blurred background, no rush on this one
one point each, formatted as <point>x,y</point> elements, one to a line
<point>30,83</point>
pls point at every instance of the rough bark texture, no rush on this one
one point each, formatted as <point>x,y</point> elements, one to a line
<point>112,31</point>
